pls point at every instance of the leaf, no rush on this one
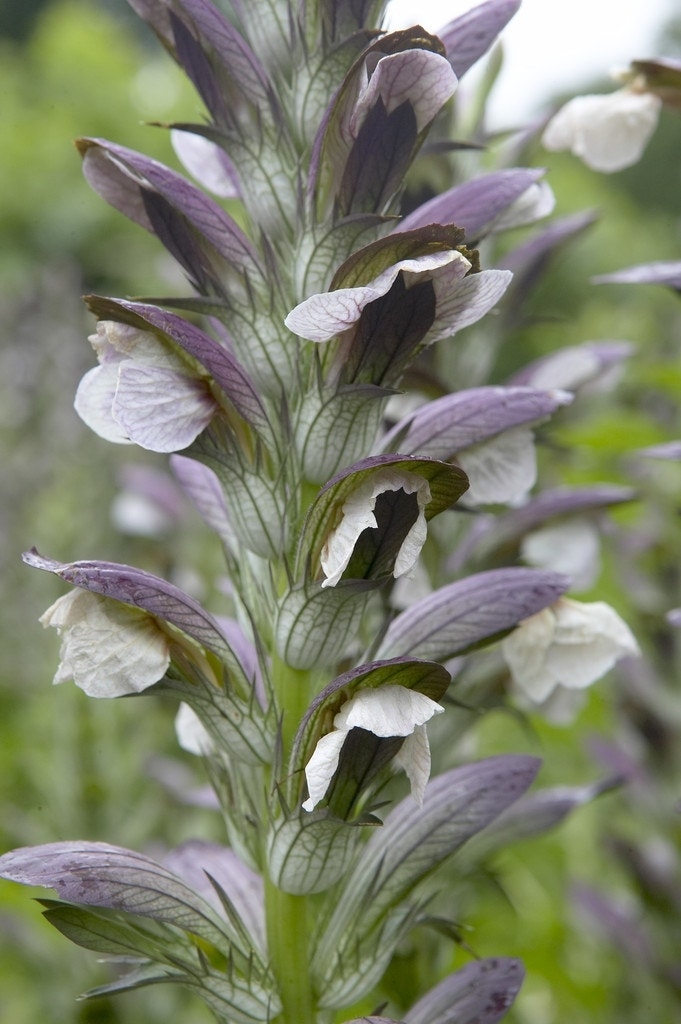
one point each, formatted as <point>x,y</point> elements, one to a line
<point>480,993</point>
<point>101,875</point>
<point>315,625</point>
<point>412,843</point>
<point>309,852</point>
<point>461,615</point>
<point>105,932</point>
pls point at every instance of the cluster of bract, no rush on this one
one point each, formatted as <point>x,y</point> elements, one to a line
<point>311,422</point>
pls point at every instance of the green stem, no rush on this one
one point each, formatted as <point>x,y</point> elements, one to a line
<point>288,943</point>
<point>293,691</point>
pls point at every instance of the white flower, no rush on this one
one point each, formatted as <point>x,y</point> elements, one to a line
<point>385,711</point>
<point>501,469</point>
<point>607,132</point>
<point>571,548</point>
<point>142,392</point>
<point>191,733</point>
<point>569,644</point>
<point>108,648</point>
<point>358,515</point>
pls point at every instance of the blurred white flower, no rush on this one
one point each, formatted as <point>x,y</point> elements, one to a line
<point>608,132</point>
<point>191,733</point>
<point>501,469</point>
<point>108,648</point>
<point>385,711</point>
<point>569,644</point>
<point>571,548</point>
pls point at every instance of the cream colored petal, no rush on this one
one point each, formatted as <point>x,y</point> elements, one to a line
<point>414,759</point>
<point>94,402</point>
<point>109,649</point>
<point>191,732</point>
<point>387,711</point>
<point>525,650</point>
<point>321,767</point>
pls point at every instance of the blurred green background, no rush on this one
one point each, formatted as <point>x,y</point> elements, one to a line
<point>76,768</point>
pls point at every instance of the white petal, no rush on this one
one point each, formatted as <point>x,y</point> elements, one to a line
<point>387,711</point>
<point>410,548</point>
<point>321,767</point>
<point>502,469</point>
<point>571,548</point>
<point>466,301</point>
<point>94,402</point>
<point>191,732</point>
<point>160,409</point>
<point>414,758</point>
<point>607,132</point>
<point>141,346</point>
<point>109,649</point>
<point>525,653</point>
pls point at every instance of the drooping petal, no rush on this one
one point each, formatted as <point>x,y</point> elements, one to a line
<point>413,758</point>
<point>108,649</point>
<point>159,409</point>
<point>387,711</point>
<point>321,767</point>
<point>570,547</point>
<point>94,403</point>
<point>191,733</point>
<point>466,302</point>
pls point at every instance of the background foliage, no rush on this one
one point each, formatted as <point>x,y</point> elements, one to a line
<point>77,768</point>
